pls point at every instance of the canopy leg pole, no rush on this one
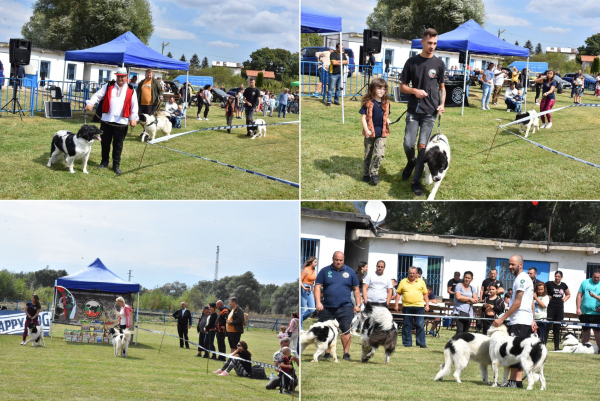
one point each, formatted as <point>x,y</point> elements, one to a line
<point>462,113</point>
<point>137,310</point>
<point>342,77</point>
<point>53,311</point>
<point>527,82</point>
<point>187,79</point>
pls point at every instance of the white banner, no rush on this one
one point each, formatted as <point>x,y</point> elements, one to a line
<point>14,322</point>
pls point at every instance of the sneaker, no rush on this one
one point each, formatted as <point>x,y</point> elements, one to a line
<point>487,108</point>
<point>366,178</point>
<point>327,356</point>
<point>316,94</point>
<point>508,110</point>
<point>375,179</point>
<point>336,103</point>
<point>483,108</point>
<point>200,118</point>
<point>223,374</point>
<point>410,166</point>
<point>416,188</point>
<point>103,164</point>
<point>549,125</point>
<point>206,119</point>
<point>199,355</point>
<point>218,371</point>
<point>287,392</point>
<point>328,104</point>
<point>22,342</point>
<point>423,346</point>
<point>510,384</point>
<point>346,357</point>
<point>543,126</point>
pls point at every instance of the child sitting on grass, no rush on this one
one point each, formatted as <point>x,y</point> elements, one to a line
<point>286,365</point>
<point>375,112</point>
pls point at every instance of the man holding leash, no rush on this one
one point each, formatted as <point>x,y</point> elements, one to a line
<point>426,72</point>
<point>336,282</point>
<point>251,98</point>
<point>119,106</point>
<point>521,312</point>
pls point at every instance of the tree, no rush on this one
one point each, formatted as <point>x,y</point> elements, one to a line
<point>285,298</point>
<point>407,19</point>
<point>205,62</point>
<point>68,25</point>
<point>595,66</point>
<point>46,277</point>
<point>282,62</point>
<point>516,43</point>
<point>182,58</point>
<point>592,46</point>
<point>310,39</point>
<point>538,49</point>
<point>194,61</point>
<point>174,289</point>
<point>169,55</point>
<point>260,80</point>
<point>529,46</point>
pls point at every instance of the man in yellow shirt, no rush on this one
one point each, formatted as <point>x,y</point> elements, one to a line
<point>413,292</point>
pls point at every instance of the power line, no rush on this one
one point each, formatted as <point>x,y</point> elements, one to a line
<point>206,54</point>
<point>542,40</point>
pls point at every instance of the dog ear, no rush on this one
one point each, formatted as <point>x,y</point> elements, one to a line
<point>83,130</point>
<point>445,160</point>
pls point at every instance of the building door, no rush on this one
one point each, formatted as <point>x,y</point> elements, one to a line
<point>389,57</point>
<point>45,69</point>
<point>309,247</point>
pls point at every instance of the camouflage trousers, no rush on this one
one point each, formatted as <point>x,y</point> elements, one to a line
<point>374,154</point>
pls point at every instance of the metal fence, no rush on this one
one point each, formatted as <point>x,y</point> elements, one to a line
<point>17,304</point>
<point>25,91</point>
<point>76,93</point>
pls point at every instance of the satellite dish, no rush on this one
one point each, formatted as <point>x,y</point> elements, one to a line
<point>376,211</point>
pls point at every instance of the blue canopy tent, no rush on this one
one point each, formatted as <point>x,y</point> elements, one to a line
<point>313,21</point>
<point>126,50</point>
<point>470,37</point>
<point>97,277</point>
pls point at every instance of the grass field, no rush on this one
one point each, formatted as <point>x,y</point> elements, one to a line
<point>410,373</point>
<point>164,174</point>
<point>332,154</point>
<point>88,371</point>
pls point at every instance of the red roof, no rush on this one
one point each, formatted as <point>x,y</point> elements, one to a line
<point>588,58</point>
<point>266,74</point>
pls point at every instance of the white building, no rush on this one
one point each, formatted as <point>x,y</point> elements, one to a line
<point>52,62</point>
<point>235,67</point>
<point>569,51</point>
<point>397,51</point>
<point>324,232</point>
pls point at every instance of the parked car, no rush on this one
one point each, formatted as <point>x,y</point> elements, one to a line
<point>233,91</point>
<point>308,54</point>
<point>589,84</point>
<point>218,95</point>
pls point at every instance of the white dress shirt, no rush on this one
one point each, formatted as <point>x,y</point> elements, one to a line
<point>117,100</point>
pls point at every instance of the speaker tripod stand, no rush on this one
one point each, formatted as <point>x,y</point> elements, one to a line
<point>16,105</point>
<point>368,73</point>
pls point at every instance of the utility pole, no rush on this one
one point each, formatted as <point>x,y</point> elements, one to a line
<point>130,275</point>
<point>500,31</point>
<point>217,266</point>
<point>163,47</point>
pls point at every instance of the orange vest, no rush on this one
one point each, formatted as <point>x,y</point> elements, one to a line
<point>386,127</point>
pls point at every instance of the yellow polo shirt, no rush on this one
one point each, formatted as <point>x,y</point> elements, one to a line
<point>412,293</point>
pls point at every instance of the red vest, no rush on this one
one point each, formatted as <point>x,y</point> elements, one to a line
<point>126,105</point>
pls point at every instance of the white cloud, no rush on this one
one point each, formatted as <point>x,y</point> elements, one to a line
<point>12,17</point>
<point>550,29</point>
<point>219,43</point>
<point>506,20</point>
<point>170,33</point>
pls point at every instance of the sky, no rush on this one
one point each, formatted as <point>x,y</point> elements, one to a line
<point>552,23</point>
<point>160,241</point>
<point>226,30</point>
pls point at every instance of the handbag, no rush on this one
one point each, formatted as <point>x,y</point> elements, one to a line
<point>258,372</point>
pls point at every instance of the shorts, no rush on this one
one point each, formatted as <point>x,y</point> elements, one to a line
<point>579,90</point>
<point>520,330</point>
<point>555,314</point>
<point>593,319</point>
<point>343,315</point>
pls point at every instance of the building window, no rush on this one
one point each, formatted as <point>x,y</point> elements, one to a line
<point>431,266</point>
<point>590,269</point>
<point>309,247</point>
<point>103,76</point>
<point>71,72</point>
<point>413,53</point>
<point>504,275</point>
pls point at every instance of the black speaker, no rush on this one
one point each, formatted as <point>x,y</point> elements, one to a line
<point>372,41</point>
<point>19,51</point>
<point>462,58</point>
<point>58,109</point>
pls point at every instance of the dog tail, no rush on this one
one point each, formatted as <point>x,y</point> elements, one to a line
<point>538,354</point>
<point>447,365</point>
<point>127,335</point>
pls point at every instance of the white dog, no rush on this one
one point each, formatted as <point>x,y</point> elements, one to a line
<point>505,351</point>
<point>260,129</point>
<point>534,121</point>
<point>151,124</point>
<point>377,328</point>
<point>462,348</point>
<point>324,335</point>
<point>74,146</point>
<point>35,334</point>
<point>120,340</point>
<point>437,160</point>
<point>572,345</point>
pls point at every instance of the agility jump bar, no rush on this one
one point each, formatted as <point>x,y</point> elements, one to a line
<point>281,180</point>
<point>166,138</point>
<point>266,365</point>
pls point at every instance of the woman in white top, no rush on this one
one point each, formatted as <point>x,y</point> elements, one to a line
<point>204,98</point>
<point>488,84</point>
<point>124,314</point>
<point>541,299</point>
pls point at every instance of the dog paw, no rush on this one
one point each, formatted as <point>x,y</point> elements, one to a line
<point>72,171</point>
<point>85,172</point>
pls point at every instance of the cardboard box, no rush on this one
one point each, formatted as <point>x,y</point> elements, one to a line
<point>85,325</point>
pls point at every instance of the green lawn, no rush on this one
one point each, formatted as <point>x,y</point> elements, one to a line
<point>25,150</point>
<point>64,371</point>
<point>332,154</point>
<point>410,373</point>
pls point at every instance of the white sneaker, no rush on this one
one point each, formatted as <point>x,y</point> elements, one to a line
<point>542,126</point>
<point>488,108</point>
<point>199,118</point>
<point>549,125</point>
<point>483,108</point>
<point>508,110</point>
<point>22,342</point>
<point>207,120</point>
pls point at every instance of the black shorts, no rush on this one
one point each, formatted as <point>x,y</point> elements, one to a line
<point>555,314</point>
<point>343,315</point>
<point>519,330</point>
<point>593,319</point>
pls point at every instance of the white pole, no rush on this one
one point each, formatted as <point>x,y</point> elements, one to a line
<point>526,83</point>
<point>137,309</point>
<point>53,311</point>
<point>342,75</point>
<point>187,79</point>
<point>465,72</point>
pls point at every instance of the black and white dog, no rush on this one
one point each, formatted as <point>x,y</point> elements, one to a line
<point>462,348</point>
<point>324,335</point>
<point>151,124</point>
<point>437,160</point>
<point>74,146</point>
<point>35,335</point>
<point>505,351</point>
<point>260,129</point>
<point>572,345</point>
<point>534,121</point>
<point>377,328</point>
<point>120,340</point>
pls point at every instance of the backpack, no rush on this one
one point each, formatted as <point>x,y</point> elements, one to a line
<point>258,372</point>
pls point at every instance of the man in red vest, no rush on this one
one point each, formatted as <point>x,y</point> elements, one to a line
<point>119,107</point>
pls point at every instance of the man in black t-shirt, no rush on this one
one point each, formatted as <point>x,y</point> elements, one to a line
<point>426,72</point>
<point>452,284</point>
<point>251,98</point>
<point>335,74</point>
<point>492,279</point>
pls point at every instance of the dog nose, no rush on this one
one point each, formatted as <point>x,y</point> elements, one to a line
<point>437,178</point>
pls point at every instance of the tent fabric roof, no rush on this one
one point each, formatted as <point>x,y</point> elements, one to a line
<point>97,277</point>
<point>129,50</point>
<point>313,21</point>
<point>472,37</point>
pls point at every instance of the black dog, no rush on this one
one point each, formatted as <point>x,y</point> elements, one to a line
<point>74,146</point>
